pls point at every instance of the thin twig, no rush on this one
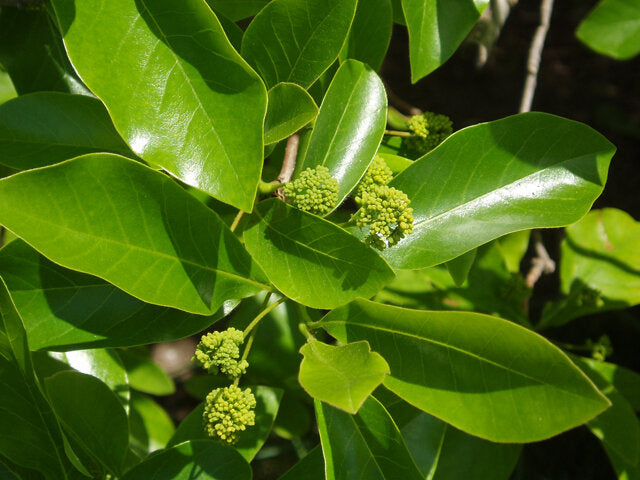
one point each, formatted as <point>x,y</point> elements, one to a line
<point>541,263</point>
<point>402,104</point>
<point>398,133</point>
<point>535,55</point>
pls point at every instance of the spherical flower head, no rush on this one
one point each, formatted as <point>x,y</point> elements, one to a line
<point>429,130</point>
<point>378,173</point>
<point>385,210</point>
<point>229,411</point>
<point>314,191</point>
<point>220,351</point>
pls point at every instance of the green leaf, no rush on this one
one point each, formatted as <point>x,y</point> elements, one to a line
<point>144,374</point>
<point>233,32</point>
<point>7,90</point>
<point>436,30</point>
<point>395,162</point>
<point>513,248</point>
<point>459,267</point>
<point>289,109</point>
<point>438,448</point>
<point>310,467</point>
<point>470,370</point>
<point>310,260</point>
<point>349,126</point>
<point>527,171</point>
<point>92,415</point>
<point>134,227</point>
<point>194,460</point>
<point>67,310</point>
<point>617,427</point>
<point>67,126</point>
<point>612,28</point>
<point>32,52</point>
<point>237,9</point>
<point>183,98</point>
<point>36,440</point>
<point>342,376</point>
<point>150,425</point>
<point>625,381</point>
<point>251,440</point>
<point>296,40</point>
<point>370,33</point>
<point>367,445</point>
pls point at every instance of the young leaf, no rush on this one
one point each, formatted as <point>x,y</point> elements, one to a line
<point>342,376</point>
<point>289,109</point>
<point>56,135</point>
<point>484,375</point>
<point>193,460</point>
<point>366,445</point>
<point>297,249</point>
<point>370,33</point>
<point>526,171</point>
<point>148,231</point>
<point>32,52</point>
<point>436,30</point>
<point>296,40</point>
<point>612,28</point>
<point>67,310</point>
<point>349,126</point>
<point>252,439</point>
<point>92,415</point>
<point>150,425</point>
<point>182,97</point>
<point>437,448</point>
<point>459,267</point>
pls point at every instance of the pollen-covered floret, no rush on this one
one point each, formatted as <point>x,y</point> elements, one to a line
<point>429,130</point>
<point>229,411</point>
<point>220,351</point>
<point>314,191</point>
<point>385,210</point>
<point>378,173</point>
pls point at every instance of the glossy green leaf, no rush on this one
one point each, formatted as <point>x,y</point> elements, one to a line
<point>45,128</point>
<point>134,227</point>
<point>342,376</point>
<point>92,415</point>
<point>32,52</point>
<point>194,460</point>
<point>289,109</point>
<point>513,248</point>
<point>310,467</point>
<point>296,40</point>
<point>459,267</point>
<point>599,268</point>
<point>144,374</point>
<point>436,30</point>
<point>150,425</point>
<point>237,9</point>
<point>349,126</point>
<point>613,28</point>
<point>67,310</point>
<point>526,171</point>
<point>617,427</point>
<point>252,439</point>
<point>438,448</point>
<point>367,445</point>
<point>35,440</point>
<point>395,162</point>
<point>625,381</point>
<point>233,32</point>
<point>370,33</point>
<point>103,364</point>
<point>470,370</point>
<point>185,99</point>
<point>310,260</point>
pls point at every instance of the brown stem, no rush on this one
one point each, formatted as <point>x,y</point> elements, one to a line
<point>289,162</point>
<point>541,263</point>
<point>402,104</point>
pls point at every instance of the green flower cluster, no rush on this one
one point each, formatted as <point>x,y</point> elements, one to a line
<point>229,411</point>
<point>384,209</point>
<point>314,191</point>
<point>429,130</point>
<point>220,351</point>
